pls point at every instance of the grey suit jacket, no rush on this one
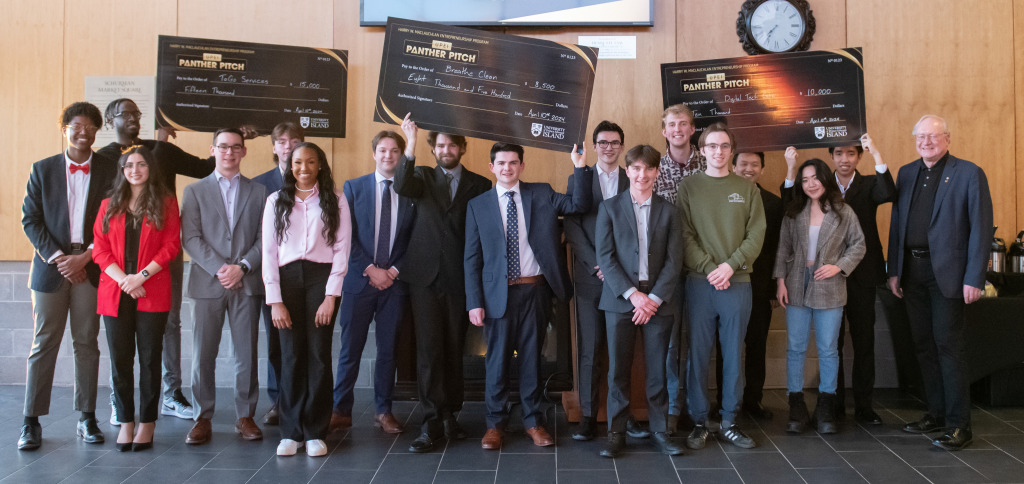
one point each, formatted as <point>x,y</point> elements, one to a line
<point>840,242</point>
<point>618,249</point>
<point>211,240</point>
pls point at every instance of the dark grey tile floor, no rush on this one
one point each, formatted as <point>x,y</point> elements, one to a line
<point>363,454</point>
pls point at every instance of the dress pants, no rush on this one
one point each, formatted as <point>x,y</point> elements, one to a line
<point>243,321</point>
<point>678,352</point>
<point>937,326</point>
<point>386,308</point>
<point>132,328</point>
<point>860,318</point>
<point>273,353</point>
<point>50,314</point>
<point>172,331</point>
<point>440,321</point>
<point>590,333</point>
<point>519,330</point>
<point>621,344</point>
<point>727,312</point>
<point>305,394</point>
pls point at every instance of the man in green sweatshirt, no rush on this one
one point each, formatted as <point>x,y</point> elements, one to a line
<point>723,228</point>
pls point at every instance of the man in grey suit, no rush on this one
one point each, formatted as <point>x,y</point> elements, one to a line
<point>639,251</point>
<point>941,225</point>
<point>220,226</point>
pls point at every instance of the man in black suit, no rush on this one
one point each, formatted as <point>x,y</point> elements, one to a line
<point>609,181</point>
<point>283,138</point>
<point>433,270</point>
<point>864,194</point>
<point>61,201</point>
<point>639,252</point>
<point>941,224</point>
<point>514,262</point>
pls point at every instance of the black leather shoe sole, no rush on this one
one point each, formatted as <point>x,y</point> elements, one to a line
<point>951,445</point>
<point>141,446</point>
<point>125,447</point>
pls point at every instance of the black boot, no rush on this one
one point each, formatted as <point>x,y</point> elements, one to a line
<point>797,414</point>
<point>824,414</point>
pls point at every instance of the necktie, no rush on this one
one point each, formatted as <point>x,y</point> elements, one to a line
<point>384,236</point>
<point>84,168</point>
<point>451,190</point>
<point>512,236</point>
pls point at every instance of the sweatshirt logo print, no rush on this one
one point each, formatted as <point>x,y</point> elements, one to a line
<point>736,198</point>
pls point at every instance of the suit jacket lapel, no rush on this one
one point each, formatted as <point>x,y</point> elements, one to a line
<point>855,185</point>
<point>952,163</point>
<point>828,227</point>
<point>598,191</point>
<point>526,195</point>
<point>652,219</point>
<point>59,198</point>
<point>906,196</point>
<point>213,190</point>
<point>803,219</point>
<point>623,181</point>
<point>244,189</point>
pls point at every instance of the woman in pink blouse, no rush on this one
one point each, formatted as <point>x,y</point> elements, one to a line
<point>306,237</point>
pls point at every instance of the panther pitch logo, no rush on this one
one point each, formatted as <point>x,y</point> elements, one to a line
<point>536,129</point>
<point>819,132</point>
<point>304,122</point>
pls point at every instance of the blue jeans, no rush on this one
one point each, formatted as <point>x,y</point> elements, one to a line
<point>826,334</point>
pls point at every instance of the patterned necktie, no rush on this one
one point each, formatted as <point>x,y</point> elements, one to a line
<point>384,235</point>
<point>451,191</point>
<point>512,236</point>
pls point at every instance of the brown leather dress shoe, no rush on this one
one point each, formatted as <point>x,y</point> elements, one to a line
<point>540,437</point>
<point>388,423</point>
<point>272,417</point>
<point>492,439</point>
<point>248,429</point>
<point>200,433</point>
<point>339,421</point>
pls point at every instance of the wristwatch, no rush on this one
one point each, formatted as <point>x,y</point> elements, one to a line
<point>145,273</point>
<point>244,267</point>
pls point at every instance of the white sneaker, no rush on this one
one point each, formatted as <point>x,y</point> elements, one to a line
<point>177,406</point>
<point>288,447</point>
<point>113,412</point>
<point>316,448</point>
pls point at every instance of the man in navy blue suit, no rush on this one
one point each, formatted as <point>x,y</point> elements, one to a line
<point>941,225</point>
<point>381,227</point>
<point>283,138</point>
<point>514,262</point>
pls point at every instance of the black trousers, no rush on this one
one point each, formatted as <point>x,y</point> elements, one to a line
<point>592,346</point>
<point>440,321</point>
<point>521,331</point>
<point>133,329</point>
<point>937,325</point>
<point>621,344</point>
<point>273,354</point>
<point>860,318</point>
<point>306,382</point>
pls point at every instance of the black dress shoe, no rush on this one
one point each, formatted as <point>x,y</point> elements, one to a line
<point>422,444</point>
<point>926,424</point>
<point>89,431</point>
<point>635,430</point>
<point>955,439</point>
<point>141,446</point>
<point>665,444</point>
<point>452,429</point>
<point>31,437</point>
<point>125,447</point>
<point>758,412</point>
<point>867,416</point>
<point>586,429</point>
<point>616,442</point>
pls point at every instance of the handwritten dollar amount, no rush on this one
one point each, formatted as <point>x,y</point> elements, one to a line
<point>819,92</point>
<point>540,85</point>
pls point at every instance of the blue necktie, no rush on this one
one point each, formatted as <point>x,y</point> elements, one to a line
<point>512,236</point>
<point>384,236</point>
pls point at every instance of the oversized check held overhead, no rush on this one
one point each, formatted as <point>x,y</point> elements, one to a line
<point>486,85</point>
<point>804,99</point>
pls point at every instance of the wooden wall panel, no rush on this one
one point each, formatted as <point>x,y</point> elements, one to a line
<point>953,58</point>
<point>31,102</point>
<point>1018,62</point>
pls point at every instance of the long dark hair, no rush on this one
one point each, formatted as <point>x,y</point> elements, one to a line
<point>832,199</point>
<point>151,200</point>
<point>328,199</point>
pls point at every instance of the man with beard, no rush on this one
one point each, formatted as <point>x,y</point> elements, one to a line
<point>433,269</point>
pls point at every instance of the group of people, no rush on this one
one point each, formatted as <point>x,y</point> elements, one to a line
<point>677,247</point>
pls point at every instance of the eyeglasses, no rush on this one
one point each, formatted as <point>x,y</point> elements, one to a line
<point>609,144</point>
<point>227,148</point>
<point>929,137</point>
<point>129,115</point>
<point>81,128</point>
<point>137,166</point>
<point>716,147</point>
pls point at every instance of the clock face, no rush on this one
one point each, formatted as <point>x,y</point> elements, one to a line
<point>776,25</point>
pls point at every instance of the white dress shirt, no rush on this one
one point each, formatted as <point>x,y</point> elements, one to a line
<point>229,194</point>
<point>78,197</point>
<point>609,181</point>
<point>642,211</point>
<point>528,266</point>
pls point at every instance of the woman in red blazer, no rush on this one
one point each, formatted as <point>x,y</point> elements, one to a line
<point>137,234</point>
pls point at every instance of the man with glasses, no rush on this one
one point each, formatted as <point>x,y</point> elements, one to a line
<point>61,202</point>
<point>941,224</point>
<point>723,229</point>
<point>220,225</point>
<point>124,116</point>
<point>682,159</point>
<point>609,180</point>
